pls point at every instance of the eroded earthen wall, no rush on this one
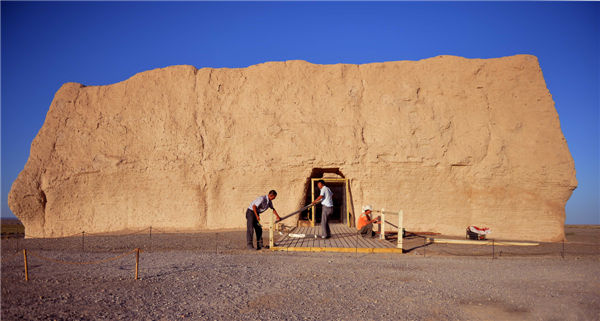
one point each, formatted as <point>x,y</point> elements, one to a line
<point>451,141</point>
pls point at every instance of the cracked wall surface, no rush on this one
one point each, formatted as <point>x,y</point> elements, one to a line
<point>451,141</point>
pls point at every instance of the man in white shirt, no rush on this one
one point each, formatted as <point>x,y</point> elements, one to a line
<point>326,199</point>
<point>259,205</point>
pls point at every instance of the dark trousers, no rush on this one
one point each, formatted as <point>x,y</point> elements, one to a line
<point>251,226</point>
<point>367,230</point>
<point>325,216</point>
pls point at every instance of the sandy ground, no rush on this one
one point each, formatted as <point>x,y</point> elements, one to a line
<point>209,276</point>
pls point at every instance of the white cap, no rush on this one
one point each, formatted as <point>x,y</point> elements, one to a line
<point>367,208</point>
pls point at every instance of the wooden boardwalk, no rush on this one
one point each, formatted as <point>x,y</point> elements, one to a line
<point>343,239</point>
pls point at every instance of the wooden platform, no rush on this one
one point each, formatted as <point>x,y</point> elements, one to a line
<point>343,239</point>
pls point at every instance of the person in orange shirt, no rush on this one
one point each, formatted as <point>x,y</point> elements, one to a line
<point>365,223</point>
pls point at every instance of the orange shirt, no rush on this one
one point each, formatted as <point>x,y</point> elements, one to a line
<point>363,220</point>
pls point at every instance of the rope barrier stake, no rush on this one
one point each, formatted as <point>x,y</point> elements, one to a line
<point>150,238</point>
<point>563,248</point>
<point>137,262</point>
<point>400,240</point>
<point>493,250</point>
<point>382,225</point>
<point>216,243</point>
<point>25,259</point>
<point>82,241</point>
<point>272,231</point>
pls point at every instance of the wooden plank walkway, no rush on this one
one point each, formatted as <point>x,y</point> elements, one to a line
<point>343,239</point>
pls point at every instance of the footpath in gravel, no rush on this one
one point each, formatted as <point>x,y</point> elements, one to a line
<point>208,276</point>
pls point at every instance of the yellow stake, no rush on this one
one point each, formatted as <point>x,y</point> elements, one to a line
<point>26,272</point>
<point>137,262</point>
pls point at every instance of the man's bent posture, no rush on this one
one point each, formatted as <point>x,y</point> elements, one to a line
<point>261,204</point>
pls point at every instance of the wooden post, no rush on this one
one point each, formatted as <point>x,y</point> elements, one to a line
<point>271,230</point>
<point>137,262</point>
<point>347,202</point>
<point>25,258</point>
<point>382,229</point>
<point>313,209</point>
<point>150,238</point>
<point>82,241</point>
<point>400,228</point>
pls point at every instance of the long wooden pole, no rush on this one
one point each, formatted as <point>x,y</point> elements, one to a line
<point>296,212</point>
<point>25,258</point>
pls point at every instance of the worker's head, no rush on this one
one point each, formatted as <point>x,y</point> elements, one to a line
<point>320,183</point>
<point>367,209</point>
<point>272,194</point>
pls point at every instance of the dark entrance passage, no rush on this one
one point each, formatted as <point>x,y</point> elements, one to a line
<point>339,188</point>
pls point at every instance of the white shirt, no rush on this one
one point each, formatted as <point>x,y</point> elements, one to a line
<point>327,196</point>
<point>262,204</point>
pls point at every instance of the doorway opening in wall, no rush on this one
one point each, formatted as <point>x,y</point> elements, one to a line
<point>338,184</point>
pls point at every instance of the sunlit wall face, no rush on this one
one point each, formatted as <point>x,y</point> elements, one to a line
<point>47,44</point>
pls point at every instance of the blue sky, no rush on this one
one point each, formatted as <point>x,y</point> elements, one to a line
<point>45,44</point>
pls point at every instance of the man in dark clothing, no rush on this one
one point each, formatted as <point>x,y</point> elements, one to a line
<point>259,205</point>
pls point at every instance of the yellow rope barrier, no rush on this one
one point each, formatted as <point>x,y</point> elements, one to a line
<point>114,234</point>
<point>150,228</point>
<point>160,231</point>
<point>81,263</point>
<point>28,237</point>
<point>86,233</point>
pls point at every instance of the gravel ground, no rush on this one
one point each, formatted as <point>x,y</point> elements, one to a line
<point>208,276</point>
